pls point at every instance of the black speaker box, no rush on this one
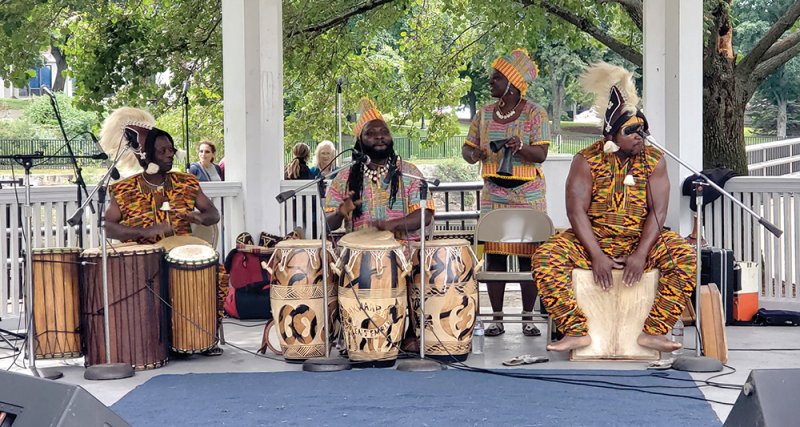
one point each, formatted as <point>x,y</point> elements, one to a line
<point>768,398</point>
<point>27,401</point>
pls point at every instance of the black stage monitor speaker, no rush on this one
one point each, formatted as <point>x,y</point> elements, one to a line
<point>26,401</point>
<point>769,399</point>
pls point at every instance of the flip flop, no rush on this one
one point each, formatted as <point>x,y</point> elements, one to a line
<point>530,330</point>
<point>213,351</point>
<point>494,330</point>
<point>525,359</point>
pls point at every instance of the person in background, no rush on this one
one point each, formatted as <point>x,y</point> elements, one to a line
<point>516,118</point>
<point>298,167</point>
<point>323,159</point>
<point>205,169</point>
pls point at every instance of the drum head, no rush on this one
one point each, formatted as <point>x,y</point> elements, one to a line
<point>299,244</point>
<point>441,243</point>
<point>192,254</point>
<point>369,239</point>
<point>36,251</point>
<point>173,242</point>
<point>122,248</point>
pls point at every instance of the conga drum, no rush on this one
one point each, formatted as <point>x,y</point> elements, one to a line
<point>56,317</point>
<point>137,316</point>
<point>192,278</point>
<point>451,296</point>
<point>372,295</point>
<point>296,298</point>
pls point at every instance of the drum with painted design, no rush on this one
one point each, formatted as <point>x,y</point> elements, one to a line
<point>296,298</point>
<point>372,295</point>
<point>451,296</point>
<point>56,319</point>
<point>193,298</point>
<point>137,316</point>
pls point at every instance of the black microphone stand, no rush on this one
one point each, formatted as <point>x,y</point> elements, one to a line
<point>699,363</point>
<point>186,122</point>
<point>327,363</point>
<point>78,171</point>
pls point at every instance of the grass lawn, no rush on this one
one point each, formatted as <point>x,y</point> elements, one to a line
<point>15,104</point>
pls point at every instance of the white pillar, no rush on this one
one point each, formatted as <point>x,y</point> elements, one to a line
<point>252,56</point>
<point>673,91</point>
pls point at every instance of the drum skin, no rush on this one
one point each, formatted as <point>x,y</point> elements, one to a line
<point>451,293</point>
<point>296,298</point>
<point>56,319</point>
<point>138,328</point>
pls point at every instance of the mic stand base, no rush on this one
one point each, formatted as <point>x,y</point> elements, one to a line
<point>327,364</point>
<point>108,371</point>
<point>419,365</point>
<point>696,364</point>
<point>49,373</point>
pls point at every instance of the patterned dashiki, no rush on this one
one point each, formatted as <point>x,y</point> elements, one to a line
<point>617,213</point>
<point>140,202</point>
<point>532,128</point>
<point>375,200</point>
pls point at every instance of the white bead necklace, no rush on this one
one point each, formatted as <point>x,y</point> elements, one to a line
<point>375,175</point>
<point>508,115</point>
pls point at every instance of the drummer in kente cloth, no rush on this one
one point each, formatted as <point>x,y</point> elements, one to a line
<point>156,203</point>
<point>617,200</point>
<point>358,197</point>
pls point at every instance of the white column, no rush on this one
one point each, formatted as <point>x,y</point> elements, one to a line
<point>673,91</point>
<point>253,91</point>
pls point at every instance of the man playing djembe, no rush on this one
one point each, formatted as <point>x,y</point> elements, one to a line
<point>617,199</point>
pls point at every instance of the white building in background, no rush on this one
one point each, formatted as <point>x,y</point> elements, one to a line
<point>45,76</point>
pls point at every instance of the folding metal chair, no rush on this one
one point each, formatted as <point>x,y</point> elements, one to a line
<point>509,225</point>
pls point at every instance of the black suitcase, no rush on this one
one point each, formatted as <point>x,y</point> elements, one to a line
<point>717,266</point>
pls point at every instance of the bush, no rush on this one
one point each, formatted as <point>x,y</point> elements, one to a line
<point>458,170</point>
<point>40,115</point>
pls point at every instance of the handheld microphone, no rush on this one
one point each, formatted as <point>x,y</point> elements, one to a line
<point>46,90</point>
<point>390,173</point>
<point>361,157</point>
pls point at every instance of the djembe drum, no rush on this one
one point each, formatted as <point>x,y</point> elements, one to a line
<point>372,295</point>
<point>451,296</point>
<point>193,297</point>
<point>55,302</point>
<point>296,298</point>
<point>137,316</point>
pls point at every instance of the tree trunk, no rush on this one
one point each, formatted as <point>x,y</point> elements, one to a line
<point>61,64</point>
<point>557,83</point>
<point>782,103</point>
<point>473,103</point>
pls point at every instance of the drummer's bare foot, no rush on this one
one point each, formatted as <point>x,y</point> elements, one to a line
<point>570,342</point>
<point>658,342</point>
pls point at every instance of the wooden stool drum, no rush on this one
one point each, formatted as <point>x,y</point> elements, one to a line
<point>451,294</point>
<point>192,277</point>
<point>296,299</point>
<point>372,272</point>
<point>615,317</point>
<point>56,317</point>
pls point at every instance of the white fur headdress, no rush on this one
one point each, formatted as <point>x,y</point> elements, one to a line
<point>615,94</point>
<point>113,139</point>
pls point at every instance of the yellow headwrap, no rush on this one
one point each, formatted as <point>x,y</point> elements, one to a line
<point>518,68</point>
<point>367,112</point>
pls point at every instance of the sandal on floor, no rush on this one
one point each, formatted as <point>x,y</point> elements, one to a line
<point>213,351</point>
<point>529,329</point>
<point>494,330</point>
<point>525,359</point>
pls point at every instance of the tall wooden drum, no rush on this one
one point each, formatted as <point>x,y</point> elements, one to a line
<point>296,298</point>
<point>451,295</point>
<point>55,302</point>
<point>372,296</point>
<point>137,317</point>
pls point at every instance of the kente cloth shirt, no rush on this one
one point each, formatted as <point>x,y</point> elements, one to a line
<point>141,203</point>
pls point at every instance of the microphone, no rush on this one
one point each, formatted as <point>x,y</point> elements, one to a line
<point>75,218</point>
<point>339,82</point>
<point>46,90</point>
<point>185,87</point>
<point>132,137</point>
<point>390,173</point>
<point>361,157</point>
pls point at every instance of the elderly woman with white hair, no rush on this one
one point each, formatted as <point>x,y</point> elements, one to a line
<point>323,159</point>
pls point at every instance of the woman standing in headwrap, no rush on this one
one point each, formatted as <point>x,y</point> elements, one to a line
<point>525,125</point>
<point>298,167</point>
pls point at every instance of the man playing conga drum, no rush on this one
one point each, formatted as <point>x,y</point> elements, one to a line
<point>156,203</point>
<point>358,196</point>
<point>617,199</point>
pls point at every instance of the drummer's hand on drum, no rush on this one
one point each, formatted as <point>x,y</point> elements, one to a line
<point>159,230</point>
<point>601,270</point>
<point>348,205</point>
<point>634,267</point>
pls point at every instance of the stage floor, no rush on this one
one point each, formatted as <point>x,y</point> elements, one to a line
<point>246,337</point>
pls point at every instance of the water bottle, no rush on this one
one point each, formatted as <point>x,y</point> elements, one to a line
<point>477,337</point>
<point>677,336</point>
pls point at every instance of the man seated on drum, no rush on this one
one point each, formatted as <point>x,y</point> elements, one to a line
<point>157,202</point>
<point>617,199</point>
<point>358,196</point>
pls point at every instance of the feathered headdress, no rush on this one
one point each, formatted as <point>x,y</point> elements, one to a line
<point>367,112</point>
<point>128,127</point>
<point>616,98</point>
